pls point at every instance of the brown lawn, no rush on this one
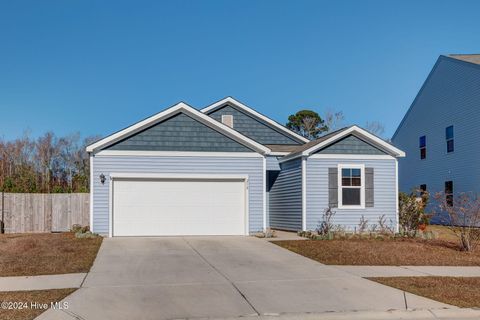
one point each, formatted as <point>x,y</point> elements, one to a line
<point>46,253</point>
<point>443,233</point>
<point>28,310</point>
<point>412,252</point>
<point>461,292</point>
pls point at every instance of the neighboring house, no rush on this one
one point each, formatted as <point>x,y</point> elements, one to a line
<point>440,131</point>
<point>229,170</point>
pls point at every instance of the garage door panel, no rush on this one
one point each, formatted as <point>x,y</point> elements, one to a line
<point>178,207</point>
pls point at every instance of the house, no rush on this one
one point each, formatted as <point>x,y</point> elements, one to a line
<point>439,132</point>
<point>229,170</point>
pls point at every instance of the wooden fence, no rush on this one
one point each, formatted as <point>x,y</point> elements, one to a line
<point>40,212</point>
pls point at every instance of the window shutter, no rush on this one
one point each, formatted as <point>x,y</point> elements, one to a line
<point>333,187</point>
<point>369,189</point>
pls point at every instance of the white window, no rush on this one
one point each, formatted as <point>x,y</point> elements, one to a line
<point>351,186</point>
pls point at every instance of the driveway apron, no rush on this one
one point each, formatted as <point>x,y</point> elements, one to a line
<point>215,277</point>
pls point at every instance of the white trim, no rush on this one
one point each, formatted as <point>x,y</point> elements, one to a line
<point>367,135</point>
<point>264,194</point>
<point>176,176</point>
<point>178,108</point>
<point>133,175</point>
<point>247,206</point>
<point>353,156</point>
<point>110,207</point>
<point>226,116</point>
<point>304,194</point>
<point>341,166</point>
<point>278,153</point>
<point>255,113</point>
<point>91,192</point>
<point>397,228</point>
<point>177,154</point>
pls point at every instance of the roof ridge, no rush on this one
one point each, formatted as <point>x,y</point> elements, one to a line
<point>473,58</point>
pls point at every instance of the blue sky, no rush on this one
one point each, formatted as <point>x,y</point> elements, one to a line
<point>97,66</point>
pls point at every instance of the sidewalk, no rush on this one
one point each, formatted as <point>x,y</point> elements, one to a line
<point>57,281</point>
<point>410,271</point>
<point>424,314</point>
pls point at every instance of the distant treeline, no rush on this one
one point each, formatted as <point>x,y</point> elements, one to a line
<point>47,164</point>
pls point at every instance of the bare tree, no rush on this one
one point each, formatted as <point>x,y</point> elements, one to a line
<point>326,225</point>
<point>334,119</point>
<point>46,164</point>
<point>375,127</point>
<point>362,224</point>
<point>462,213</point>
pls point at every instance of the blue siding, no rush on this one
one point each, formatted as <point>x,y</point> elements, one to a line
<point>450,96</point>
<point>351,145</point>
<point>272,164</point>
<point>317,192</point>
<point>179,133</point>
<point>253,167</point>
<point>252,127</point>
<point>285,207</point>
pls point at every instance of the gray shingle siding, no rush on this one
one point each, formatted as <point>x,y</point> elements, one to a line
<point>251,166</point>
<point>350,145</point>
<point>317,196</point>
<point>450,96</point>
<point>285,207</point>
<point>179,133</point>
<point>252,127</point>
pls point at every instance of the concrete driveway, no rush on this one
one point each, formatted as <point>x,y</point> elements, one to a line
<point>171,278</point>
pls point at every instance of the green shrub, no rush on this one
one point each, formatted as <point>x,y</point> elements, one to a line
<point>412,212</point>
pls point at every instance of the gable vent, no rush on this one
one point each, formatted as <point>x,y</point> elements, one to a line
<point>227,119</point>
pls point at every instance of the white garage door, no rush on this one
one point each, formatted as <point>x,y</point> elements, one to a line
<point>171,207</point>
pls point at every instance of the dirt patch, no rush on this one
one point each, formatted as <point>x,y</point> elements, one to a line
<point>46,253</point>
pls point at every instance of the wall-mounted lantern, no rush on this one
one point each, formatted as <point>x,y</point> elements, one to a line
<point>102,178</point>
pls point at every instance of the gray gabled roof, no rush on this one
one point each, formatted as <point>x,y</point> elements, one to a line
<point>332,137</point>
<point>299,149</point>
<point>269,122</point>
<point>180,107</point>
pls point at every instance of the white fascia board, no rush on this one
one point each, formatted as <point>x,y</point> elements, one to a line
<point>180,107</point>
<point>374,139</point>
<point>135,175</point>
<point>134,128</point>
<point>304,194</point>
<point>90,158</point>
<point>235,135</point>
<point>278,153</point>
<point>387,146</point>
<point>353,156</point>
<point>122,153</point>
<point>264,196</point>
<point>255,113</point>
<point>397,208</point>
